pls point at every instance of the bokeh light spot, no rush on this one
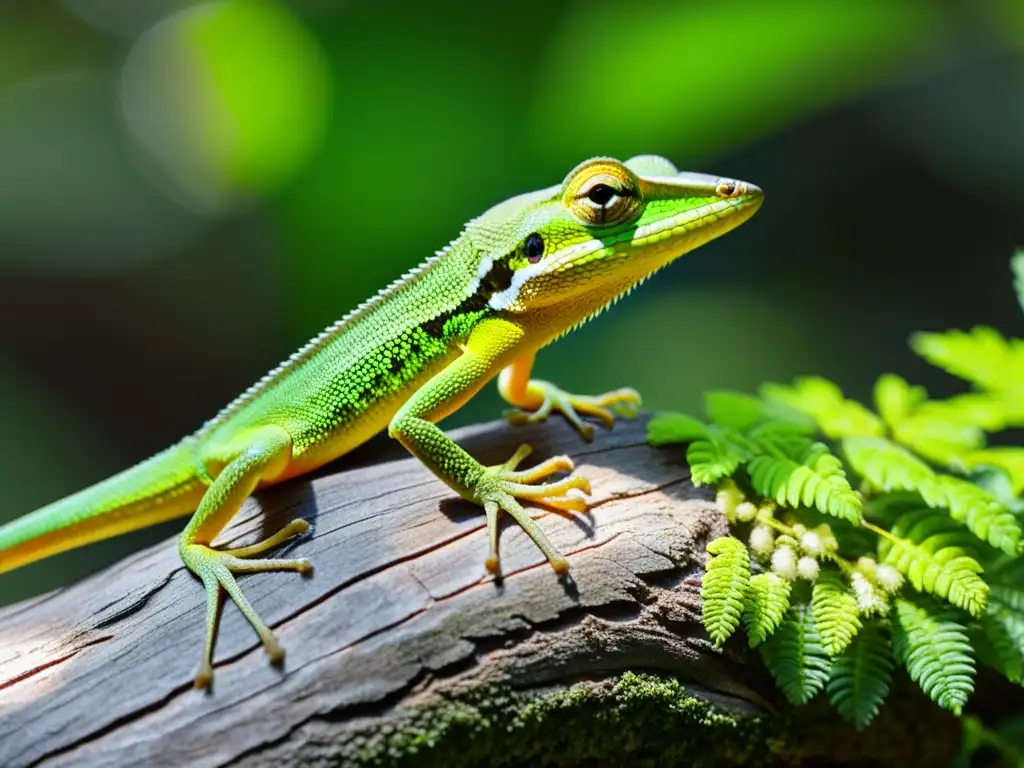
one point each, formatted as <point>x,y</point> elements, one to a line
<point>230,99</point>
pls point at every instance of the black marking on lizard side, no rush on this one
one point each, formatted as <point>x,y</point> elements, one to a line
<point>497,279</point>
<point>382,372</point>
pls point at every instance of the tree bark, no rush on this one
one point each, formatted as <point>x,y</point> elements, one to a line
<point>401,648</point>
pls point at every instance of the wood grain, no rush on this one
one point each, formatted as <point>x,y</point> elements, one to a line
<point>398,613</point>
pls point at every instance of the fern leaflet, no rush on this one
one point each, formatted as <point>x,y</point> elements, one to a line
<point>1008,607</point>
<point>742,411</point>
<point>885,465</point>
<point>995,642</point>
<point>714,452</point>
<point>816,480</point>
<point>724,587</point>
<point>835,612</point>
<point>937,653</point>
<point>985,517</point>
<point>861,676</point>
<point>937,439</point>
<point>929,551</point>
<point>982,356</point>
<point>895,399</point>
<point>780,437</point>
<point>665,428</point>
<point>1009,594</point>
<point>981,409</point>
<point>716,456</point>
<point>765,606</point>
<point>795,657</point>
<point>1011,460</point>
<point>823,401</point>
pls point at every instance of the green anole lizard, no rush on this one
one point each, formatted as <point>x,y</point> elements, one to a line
<point>521,275</point>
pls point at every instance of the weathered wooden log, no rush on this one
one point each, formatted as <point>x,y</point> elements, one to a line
<point>401,648</point>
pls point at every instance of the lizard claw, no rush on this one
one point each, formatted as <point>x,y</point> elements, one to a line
<point>216,569</point>
<point>501,487</point>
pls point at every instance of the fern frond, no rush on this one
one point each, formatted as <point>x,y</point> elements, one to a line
<point>1009,594</point>
<point>973,506</point>
<point>714,452</point>
<point>724,587</point>
<point>861,676</point>
<point>937,653</point>
<point>835,612</point>
<point>886,465</point>
<point>929,551</point>
<point>780,437</point>
<point>940,440</point>
<point>765,606</point>
<point>1009,459</point>
<point>717,455</point>
<point>1007,605</point>
<point>995,642</point>
<point>795,657</point>
<point>742,411</point>
<point>895,399</point>
<point>670,427</point>
<point>1002,643</point>
<point>816,480</point>
<point>985,410</point>
<point>982,356</point>
<point>823,401</point>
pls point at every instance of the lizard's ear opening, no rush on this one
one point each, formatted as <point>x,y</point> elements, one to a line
<point>602,192</point>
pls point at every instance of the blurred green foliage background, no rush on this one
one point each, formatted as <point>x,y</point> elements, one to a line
<point>190,191</point>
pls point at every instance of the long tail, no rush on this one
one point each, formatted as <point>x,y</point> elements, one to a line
<point>163,487</point>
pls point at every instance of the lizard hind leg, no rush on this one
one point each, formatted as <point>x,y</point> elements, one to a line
<point>265,454</point>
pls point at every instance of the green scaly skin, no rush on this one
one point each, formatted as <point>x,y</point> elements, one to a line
<point>524,273</point>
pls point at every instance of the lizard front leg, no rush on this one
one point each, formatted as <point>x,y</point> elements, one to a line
<point>260,454</point>
<point>536,399</point>
<point>495,488</point>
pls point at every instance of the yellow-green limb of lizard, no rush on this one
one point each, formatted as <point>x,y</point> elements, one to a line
<point>524,273</point>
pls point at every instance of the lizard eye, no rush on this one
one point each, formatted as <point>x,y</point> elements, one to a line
<point>602,192</point>
<point>534,248</point>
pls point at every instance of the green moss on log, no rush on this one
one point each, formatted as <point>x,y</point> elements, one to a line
<point>651,720</point>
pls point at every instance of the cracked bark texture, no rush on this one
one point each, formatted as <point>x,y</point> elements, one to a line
<point>399,618</point>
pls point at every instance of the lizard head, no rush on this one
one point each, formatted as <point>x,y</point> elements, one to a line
<point>578,246</point>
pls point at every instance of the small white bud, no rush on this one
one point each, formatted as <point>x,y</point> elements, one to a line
<point>745,512</point>
<point>807,567</point>
<point>784,563</point>
<point>799,529</point>
<point>762,540</point>
<point>888,578</point>
<point>867,599</point>
<point>811,543</point>
<point>727,498</point>
<point>861,586</point>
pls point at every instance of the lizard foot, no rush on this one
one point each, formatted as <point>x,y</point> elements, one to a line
<point>501,485</point>
<point>620,402</point>
<point>216,568</point>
